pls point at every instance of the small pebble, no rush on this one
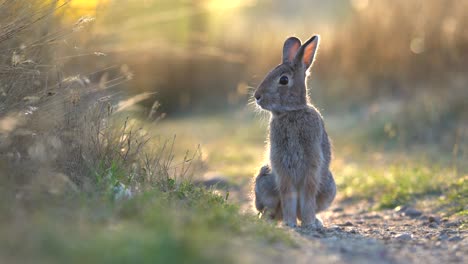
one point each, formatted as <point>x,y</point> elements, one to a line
<point>411,212</point>
<point>338,209</point>
<point>400,209</point>
<point>433,225</point>
<point>443,237</point>
<point>316,235</point>
<point>449,231</point>
<point>348,223</point>
<point>451,224</point>
<point>404,237</point>
<point>434,219</point>
<point>455,247</point>
<point>372,216</point>
<point>455,239</point>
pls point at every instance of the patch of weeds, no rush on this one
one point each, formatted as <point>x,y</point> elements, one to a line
<point>112,181</point>
<point>404,184</point>
<point>456,197</point>
<point>464,225</point>
<point>186,224</point>
<point>401,184</point>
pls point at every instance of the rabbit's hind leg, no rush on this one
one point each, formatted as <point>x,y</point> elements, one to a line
<point>326,194</point>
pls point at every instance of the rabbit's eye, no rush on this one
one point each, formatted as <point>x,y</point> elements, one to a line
<point>283,80</point>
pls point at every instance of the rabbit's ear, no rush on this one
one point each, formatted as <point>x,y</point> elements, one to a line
<point>306,53</point>
<point>290,48</point>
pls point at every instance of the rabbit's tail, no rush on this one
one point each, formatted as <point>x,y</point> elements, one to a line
<point>265,170</point>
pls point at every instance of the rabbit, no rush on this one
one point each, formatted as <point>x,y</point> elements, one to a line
<point>298,145</point>
<point>267,198</point>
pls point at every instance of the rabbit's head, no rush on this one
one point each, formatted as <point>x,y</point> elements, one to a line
<point>284,88</point>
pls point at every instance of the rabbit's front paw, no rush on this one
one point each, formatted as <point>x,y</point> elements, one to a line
<point>315,225</point>
<point>290,224</point>
<point>318,223</point>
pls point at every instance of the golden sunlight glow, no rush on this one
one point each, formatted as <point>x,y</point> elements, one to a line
<point>225,5</point>
<point>75,9</point>
<point>360,4</point>
<point>417,45</point>
<point>85,4</point>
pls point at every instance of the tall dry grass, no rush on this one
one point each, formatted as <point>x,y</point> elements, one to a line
<point>404,61</point>
<point>399,48</point>
<point>198,58</point>
<point>61,127</point>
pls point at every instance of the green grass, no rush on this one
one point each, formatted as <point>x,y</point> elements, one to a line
<point>456,197</point>
<point>184,225</point>
<point>399,184</point>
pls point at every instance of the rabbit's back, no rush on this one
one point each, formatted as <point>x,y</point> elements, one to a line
<point>326,148</point>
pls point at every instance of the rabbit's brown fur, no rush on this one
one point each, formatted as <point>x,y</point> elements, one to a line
<point>299,147</point>
<point>267,197</point>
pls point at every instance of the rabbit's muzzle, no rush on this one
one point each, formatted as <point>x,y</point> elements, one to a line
<point>258,97</point>
<point>262,100</point>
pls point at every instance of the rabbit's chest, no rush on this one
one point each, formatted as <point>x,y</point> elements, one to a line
<point>290,147</point>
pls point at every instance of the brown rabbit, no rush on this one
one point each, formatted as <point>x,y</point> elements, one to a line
<point>267,197</point>
<point>299,147</point>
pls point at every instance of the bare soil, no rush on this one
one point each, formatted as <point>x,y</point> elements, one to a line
<point>355,233</point>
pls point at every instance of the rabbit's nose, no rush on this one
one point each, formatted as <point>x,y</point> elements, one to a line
<point>257,96</point>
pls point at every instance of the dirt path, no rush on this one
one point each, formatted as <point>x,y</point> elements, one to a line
<point>353,233</point>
